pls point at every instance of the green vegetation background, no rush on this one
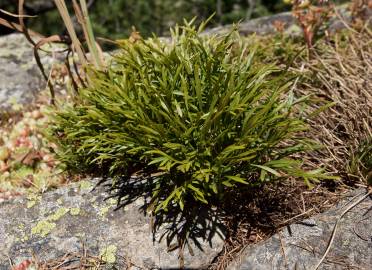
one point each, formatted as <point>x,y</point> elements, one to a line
<point>115,18</point>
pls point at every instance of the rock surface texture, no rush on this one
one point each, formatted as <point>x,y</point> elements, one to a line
<point>300,246</point>
<point>20,78</point>
<point>61,221</point>
<point>266,25</point>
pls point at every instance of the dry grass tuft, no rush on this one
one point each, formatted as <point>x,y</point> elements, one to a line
<point>341,72</point>
<point>253,216</point>
<point>82,260</point>
<point>72,261</point>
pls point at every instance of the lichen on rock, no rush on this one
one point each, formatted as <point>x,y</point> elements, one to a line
<point>68,218</point>
<point>75,211</point>
<point>43,228</point>
<point>108,254</point>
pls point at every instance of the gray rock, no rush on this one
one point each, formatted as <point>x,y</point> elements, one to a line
<point>60,221</point>
<point>35,6</point>
<point>265,25</point>
<point>261,26</point>
<point>304,243</point>
<point>20,78</point>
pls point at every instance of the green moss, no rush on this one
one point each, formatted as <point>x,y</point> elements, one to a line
<point>108,254</point>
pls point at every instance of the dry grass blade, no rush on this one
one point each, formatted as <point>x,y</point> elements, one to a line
<point>21,27</point>
<point>336,226</point>
<point>16,15</point>
<point>18,27</point>
<point>54,38</point>
<point>73,42</point>
<point>70,74</point>
<point>27,33</point>
<point>83,24</point>
<point>83,18</point>
<point>341,73</point>
<point>72,261</point>
<point>81,260</point>
<point>254,218</point>
<point>22,23</point>
<point>100,55</point>
<point>61,5</point>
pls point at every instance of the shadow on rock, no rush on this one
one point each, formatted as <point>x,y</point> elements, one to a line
<point>181,230</point>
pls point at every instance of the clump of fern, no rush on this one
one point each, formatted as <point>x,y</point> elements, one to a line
<point>196,115</point>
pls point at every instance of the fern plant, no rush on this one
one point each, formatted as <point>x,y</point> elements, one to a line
<point>197,113</point>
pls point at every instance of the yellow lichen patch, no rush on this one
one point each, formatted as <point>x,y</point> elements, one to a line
<point>108,254</point>
<point>85,185</point>
<point>30,204</point>
<point>80,235</point>
<point>43,228</point>
<point>58,214</point>
<point>25,238</point>
<point>103,211</point>
<point>75,211</point>
<point>112,201</point>
<point>32,200</point>
<point>60,201</point>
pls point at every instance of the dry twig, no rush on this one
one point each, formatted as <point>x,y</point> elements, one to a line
<point>329,245</point>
